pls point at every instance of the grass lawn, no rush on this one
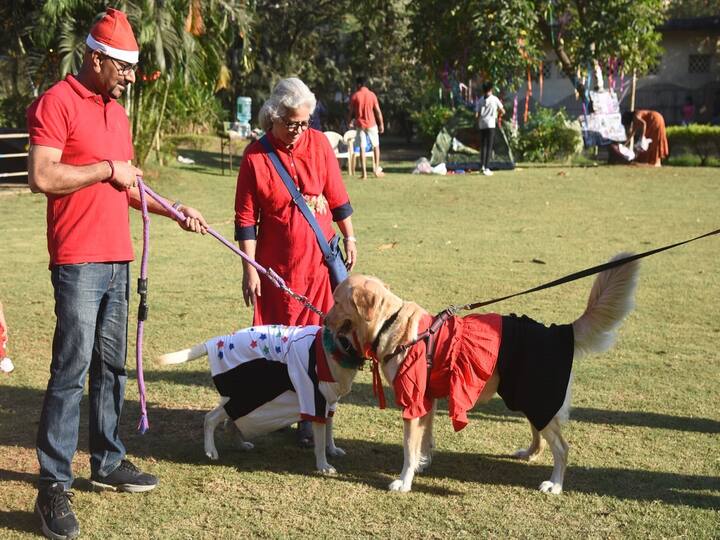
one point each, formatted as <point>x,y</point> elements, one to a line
<point>644,436</point>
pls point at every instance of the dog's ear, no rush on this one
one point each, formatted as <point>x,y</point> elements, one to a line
<point>366,300</point>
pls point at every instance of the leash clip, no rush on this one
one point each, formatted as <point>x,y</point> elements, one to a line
<point>276,279</point>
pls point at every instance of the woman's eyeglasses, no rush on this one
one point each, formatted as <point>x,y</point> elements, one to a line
<point>297,126</point>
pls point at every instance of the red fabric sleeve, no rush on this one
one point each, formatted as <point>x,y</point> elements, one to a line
<point>474,351</point>
<point>48,122</point>
<point>246,208</point>
<point>316,419</point>
<point>410,384</point>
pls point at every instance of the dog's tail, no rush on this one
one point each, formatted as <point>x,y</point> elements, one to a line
<point>179,357</point>
<point>612,297</point>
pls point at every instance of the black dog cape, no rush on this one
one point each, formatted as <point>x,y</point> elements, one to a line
<point>535,362</point>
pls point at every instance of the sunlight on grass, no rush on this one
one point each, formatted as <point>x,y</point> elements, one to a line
<point>643,460</point>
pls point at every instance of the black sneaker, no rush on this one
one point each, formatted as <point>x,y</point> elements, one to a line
<point>127,477</point>
<point>58,519</point>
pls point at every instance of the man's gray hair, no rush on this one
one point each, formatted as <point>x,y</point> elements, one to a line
<point>287,96</point>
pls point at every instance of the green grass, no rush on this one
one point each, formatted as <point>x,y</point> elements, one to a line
<point>644,439</point>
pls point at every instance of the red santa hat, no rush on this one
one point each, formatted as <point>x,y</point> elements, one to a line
<point>113,36</point>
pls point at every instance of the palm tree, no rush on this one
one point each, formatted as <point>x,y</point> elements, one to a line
<point>185,41</point>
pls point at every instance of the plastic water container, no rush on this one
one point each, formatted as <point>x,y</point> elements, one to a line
<point>243,113</point>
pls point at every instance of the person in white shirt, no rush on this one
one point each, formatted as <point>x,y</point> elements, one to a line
<point>486,112</point>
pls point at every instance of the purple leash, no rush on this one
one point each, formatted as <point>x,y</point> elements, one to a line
<point>144,425</point>
<point>269,273</point>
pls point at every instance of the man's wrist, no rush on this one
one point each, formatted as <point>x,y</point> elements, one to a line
<point>112,170</point>
<point>350,238</point>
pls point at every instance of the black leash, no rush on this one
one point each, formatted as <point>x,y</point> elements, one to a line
<point>582,273</point>
<point>448,312</point>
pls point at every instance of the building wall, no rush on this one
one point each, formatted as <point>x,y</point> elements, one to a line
<point>690,66</point>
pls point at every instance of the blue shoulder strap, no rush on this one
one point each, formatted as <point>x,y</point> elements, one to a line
<point>296,196</point>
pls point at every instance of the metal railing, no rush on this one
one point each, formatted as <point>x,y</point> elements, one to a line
<point>13,155</point>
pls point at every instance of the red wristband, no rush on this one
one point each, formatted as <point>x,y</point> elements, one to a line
<point>112,169</point>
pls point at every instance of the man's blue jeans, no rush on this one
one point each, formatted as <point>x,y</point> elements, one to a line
<point>91,306</point>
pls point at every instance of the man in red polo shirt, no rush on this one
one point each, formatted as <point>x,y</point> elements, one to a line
<point>80,159</point>
<point>365,113</point>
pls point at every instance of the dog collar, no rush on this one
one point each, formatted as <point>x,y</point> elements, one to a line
<point>331,348</point>
<point>324,372</point>
<point>388,322</point>
<point>377,380</point>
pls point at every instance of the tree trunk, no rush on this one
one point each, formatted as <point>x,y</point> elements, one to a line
<point>566,63</point>
<point>161,117</point>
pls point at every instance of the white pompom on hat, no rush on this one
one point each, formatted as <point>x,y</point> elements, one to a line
<point>113,36</point>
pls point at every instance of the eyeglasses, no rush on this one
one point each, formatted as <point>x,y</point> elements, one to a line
<point>297,126</point>
<point>122,67</point>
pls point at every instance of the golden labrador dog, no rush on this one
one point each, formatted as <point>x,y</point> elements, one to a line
<point>469,359</point>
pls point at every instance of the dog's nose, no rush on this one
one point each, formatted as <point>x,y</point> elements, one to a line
<point>330,319</point>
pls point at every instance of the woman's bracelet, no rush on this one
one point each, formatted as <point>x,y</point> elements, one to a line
<point>350,239</point>
<point>176,205</point>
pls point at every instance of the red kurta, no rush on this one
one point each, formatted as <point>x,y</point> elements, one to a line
<point>466,352</point>
<point>285,240</point>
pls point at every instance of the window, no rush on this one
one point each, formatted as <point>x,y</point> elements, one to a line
<point>655,69</point>
<point>547,69</point>
<point>699,63</point>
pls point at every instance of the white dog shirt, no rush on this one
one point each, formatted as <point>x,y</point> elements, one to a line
<point>256,368</point>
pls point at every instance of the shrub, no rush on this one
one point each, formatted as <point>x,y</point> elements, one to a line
<point>431,120</point>
<point>701,140</point>
<point>691,160</point>
<point>12,110</point>
<point>547,136</point>
<point>193,108</point>
<point>171,107</point>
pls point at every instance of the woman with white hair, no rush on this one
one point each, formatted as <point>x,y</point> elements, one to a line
<point>271,228</point>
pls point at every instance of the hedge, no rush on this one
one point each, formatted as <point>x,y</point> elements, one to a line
<point>698,139</point>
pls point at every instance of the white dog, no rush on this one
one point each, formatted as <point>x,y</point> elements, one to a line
<point>471,358</point>
<point>270,377</point>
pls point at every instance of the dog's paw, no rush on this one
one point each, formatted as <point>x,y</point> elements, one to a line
<point>212,454</point>
<point>398,485</point>
<point>327,470</point>
<point>551,487</point>
<point>424,464</point>
<point>244,445</point>
<point>524,454</point>
<point>335,451</point>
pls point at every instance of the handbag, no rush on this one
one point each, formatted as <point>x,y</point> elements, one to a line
<point>332,255</point>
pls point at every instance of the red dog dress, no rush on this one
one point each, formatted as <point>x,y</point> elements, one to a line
<point>534,362</point>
